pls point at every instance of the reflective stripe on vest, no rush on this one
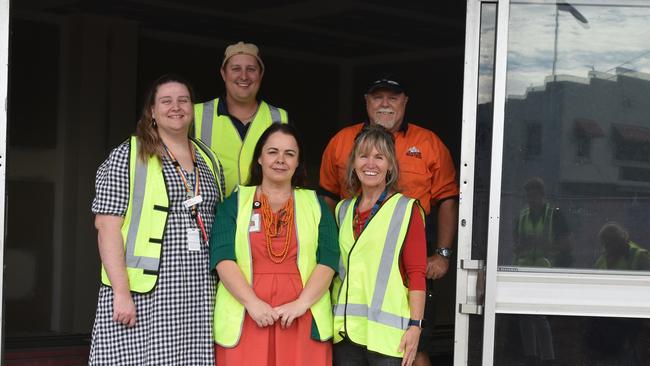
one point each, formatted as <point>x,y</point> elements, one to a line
<point>221,136</point>
<point>342,211</point>
<point>214,165</point>
<point>206,122</point>
<point>377,313</point>
<point>139,185</point>
<point>229,317</point>
<point>275,114</point>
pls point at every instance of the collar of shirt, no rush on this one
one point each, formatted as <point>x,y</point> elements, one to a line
<point>222,110</point>
<point>222,107</point>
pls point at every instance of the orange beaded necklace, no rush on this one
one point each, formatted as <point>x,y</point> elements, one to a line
<point>273,224</point>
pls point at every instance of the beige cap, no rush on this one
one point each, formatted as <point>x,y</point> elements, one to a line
<point>241,48</point>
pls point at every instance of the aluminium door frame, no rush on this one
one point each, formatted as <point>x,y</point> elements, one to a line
<point>4,81</point>
<point>465,279</point>
<point>492,253</point>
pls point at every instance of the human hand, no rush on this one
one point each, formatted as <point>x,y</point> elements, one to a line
<point>124,309</point>
<point>437,266</point>
<point>262,313</point>
<point>290,311</point>
<point>409,345</point>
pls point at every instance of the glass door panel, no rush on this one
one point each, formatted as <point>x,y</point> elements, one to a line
<point>556,169</point>
<point>575,189</point>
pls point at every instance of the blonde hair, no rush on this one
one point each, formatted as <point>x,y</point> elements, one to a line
<point>146,131</point>
<point>373,136</point>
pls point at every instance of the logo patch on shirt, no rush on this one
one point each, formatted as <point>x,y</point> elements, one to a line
<point>414,152</point>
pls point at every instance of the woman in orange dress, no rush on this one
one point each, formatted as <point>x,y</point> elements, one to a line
<point>275,248</point>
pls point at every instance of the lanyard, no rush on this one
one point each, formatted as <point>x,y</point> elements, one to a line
<point>375,207</point>
<point>186,183</point>
<point>189,190</point>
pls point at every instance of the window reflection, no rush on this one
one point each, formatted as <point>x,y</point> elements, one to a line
<point>484,116</point>
<point>577,122</point>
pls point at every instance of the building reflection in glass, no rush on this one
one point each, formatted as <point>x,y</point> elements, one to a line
<point>577,119</point>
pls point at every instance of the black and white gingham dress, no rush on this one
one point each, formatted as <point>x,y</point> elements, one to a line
<point>174,322</point>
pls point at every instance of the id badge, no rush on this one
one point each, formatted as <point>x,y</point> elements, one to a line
<point>255,223</point>
<point>193,239</point>
<point>193,201</point>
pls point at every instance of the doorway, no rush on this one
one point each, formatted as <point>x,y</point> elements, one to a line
<point>78,70</point>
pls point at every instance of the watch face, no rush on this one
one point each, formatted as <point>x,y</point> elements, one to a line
<point>418,323</point>
<point>445,252</point>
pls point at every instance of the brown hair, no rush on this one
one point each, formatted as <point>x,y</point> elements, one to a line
<point>613,232</point>
<point>373,135</point>
<point>534,184</point>
<point>299,178</point>
<point>147,133</point>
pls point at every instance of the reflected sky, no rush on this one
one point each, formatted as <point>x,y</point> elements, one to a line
<point>486,52</point>
<point>615,37</point>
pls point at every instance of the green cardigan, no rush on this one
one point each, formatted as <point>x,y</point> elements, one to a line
<point>222,236</point>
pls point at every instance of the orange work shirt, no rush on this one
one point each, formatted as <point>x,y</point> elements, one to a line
<point>426,171</point>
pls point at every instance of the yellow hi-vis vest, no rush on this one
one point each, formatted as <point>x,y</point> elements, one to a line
<point>536,237</point>
<point>222,137</point>
<point>371,305</point>
<point>146,216</point>
<point>628,262</point>
<point>228,312</point>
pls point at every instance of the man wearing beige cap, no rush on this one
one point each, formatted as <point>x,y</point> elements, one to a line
<point>232,124</point>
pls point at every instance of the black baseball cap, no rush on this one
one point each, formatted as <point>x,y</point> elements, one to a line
<point>386,83</point>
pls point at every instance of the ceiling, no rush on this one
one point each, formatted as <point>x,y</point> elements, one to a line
<point>354,31</point>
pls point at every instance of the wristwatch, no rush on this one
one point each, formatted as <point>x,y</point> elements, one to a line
<point>420,323</point>
<point>444,252</point>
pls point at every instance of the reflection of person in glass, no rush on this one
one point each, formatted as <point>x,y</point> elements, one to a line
<point>541,233</point>
<point>615,341</point>
<point>619,252</point>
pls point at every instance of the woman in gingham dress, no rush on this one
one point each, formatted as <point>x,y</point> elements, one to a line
<point>160,313</point>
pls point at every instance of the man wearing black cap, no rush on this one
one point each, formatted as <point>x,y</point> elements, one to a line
<point>426,172</point>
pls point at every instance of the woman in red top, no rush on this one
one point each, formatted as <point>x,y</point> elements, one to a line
<point>372,174</point>
<point>278,327</point>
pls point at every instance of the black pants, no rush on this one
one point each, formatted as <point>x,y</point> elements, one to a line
<point>347,353</point>
<point>426,336</point>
